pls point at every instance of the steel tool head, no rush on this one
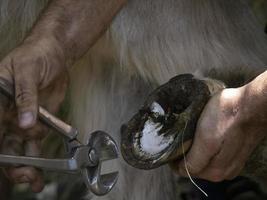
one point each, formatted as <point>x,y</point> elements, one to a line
<point>103,148</point>
<point>83,158</point>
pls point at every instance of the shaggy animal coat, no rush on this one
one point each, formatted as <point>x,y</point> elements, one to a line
<point>149,42</point>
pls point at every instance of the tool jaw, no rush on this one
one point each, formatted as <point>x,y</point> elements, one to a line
<point>82,158</point>
<point>102,148</point>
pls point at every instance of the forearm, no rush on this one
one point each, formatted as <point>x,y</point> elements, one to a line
<point>74,25</point>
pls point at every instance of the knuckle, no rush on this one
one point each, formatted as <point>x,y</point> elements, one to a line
<point>35,133</point>
<point>211,144</point>
<point>193,169</point>
<point>216,175</point>
<point>25,97</point>
<point>31,172</point>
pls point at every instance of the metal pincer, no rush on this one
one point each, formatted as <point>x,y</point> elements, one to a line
<point>84,159</point>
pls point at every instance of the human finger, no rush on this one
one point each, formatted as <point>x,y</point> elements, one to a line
<point>27,175</point>
<point>25,78</point>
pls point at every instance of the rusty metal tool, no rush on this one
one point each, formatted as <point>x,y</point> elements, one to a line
<point>84,159</point>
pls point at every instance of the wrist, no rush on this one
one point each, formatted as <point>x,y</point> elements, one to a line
<point>253,102</point>
<point>75,25</point>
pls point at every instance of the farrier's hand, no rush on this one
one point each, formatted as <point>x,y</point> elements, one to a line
<point>37,70</point>
<point>31,67</point>
<point>230,127</point>
<point>61,34</point>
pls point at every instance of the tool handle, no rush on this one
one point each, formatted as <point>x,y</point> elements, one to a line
<point>46,117</point>
<point>67,165</point>
<point>57,124</point>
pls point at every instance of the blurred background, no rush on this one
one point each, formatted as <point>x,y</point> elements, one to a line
<point>260,9</point>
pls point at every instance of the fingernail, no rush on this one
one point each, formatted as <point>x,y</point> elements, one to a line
<point>26,119</point>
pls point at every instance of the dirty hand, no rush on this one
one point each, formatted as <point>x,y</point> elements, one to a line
<point>229,129</point>
<point>37,70</point>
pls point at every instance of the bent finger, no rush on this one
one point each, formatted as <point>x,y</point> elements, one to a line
<point>228,154</point>
<point>27,175</point>
<point>239,162</point>
<point>12,144</point>
<point>226,163</point>
<point>200,154</point>
<point>26,96</point>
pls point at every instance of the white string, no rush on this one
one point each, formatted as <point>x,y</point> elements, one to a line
<point>186,167</point>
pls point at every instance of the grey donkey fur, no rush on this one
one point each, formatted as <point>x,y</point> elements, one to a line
<point>149,42</point>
